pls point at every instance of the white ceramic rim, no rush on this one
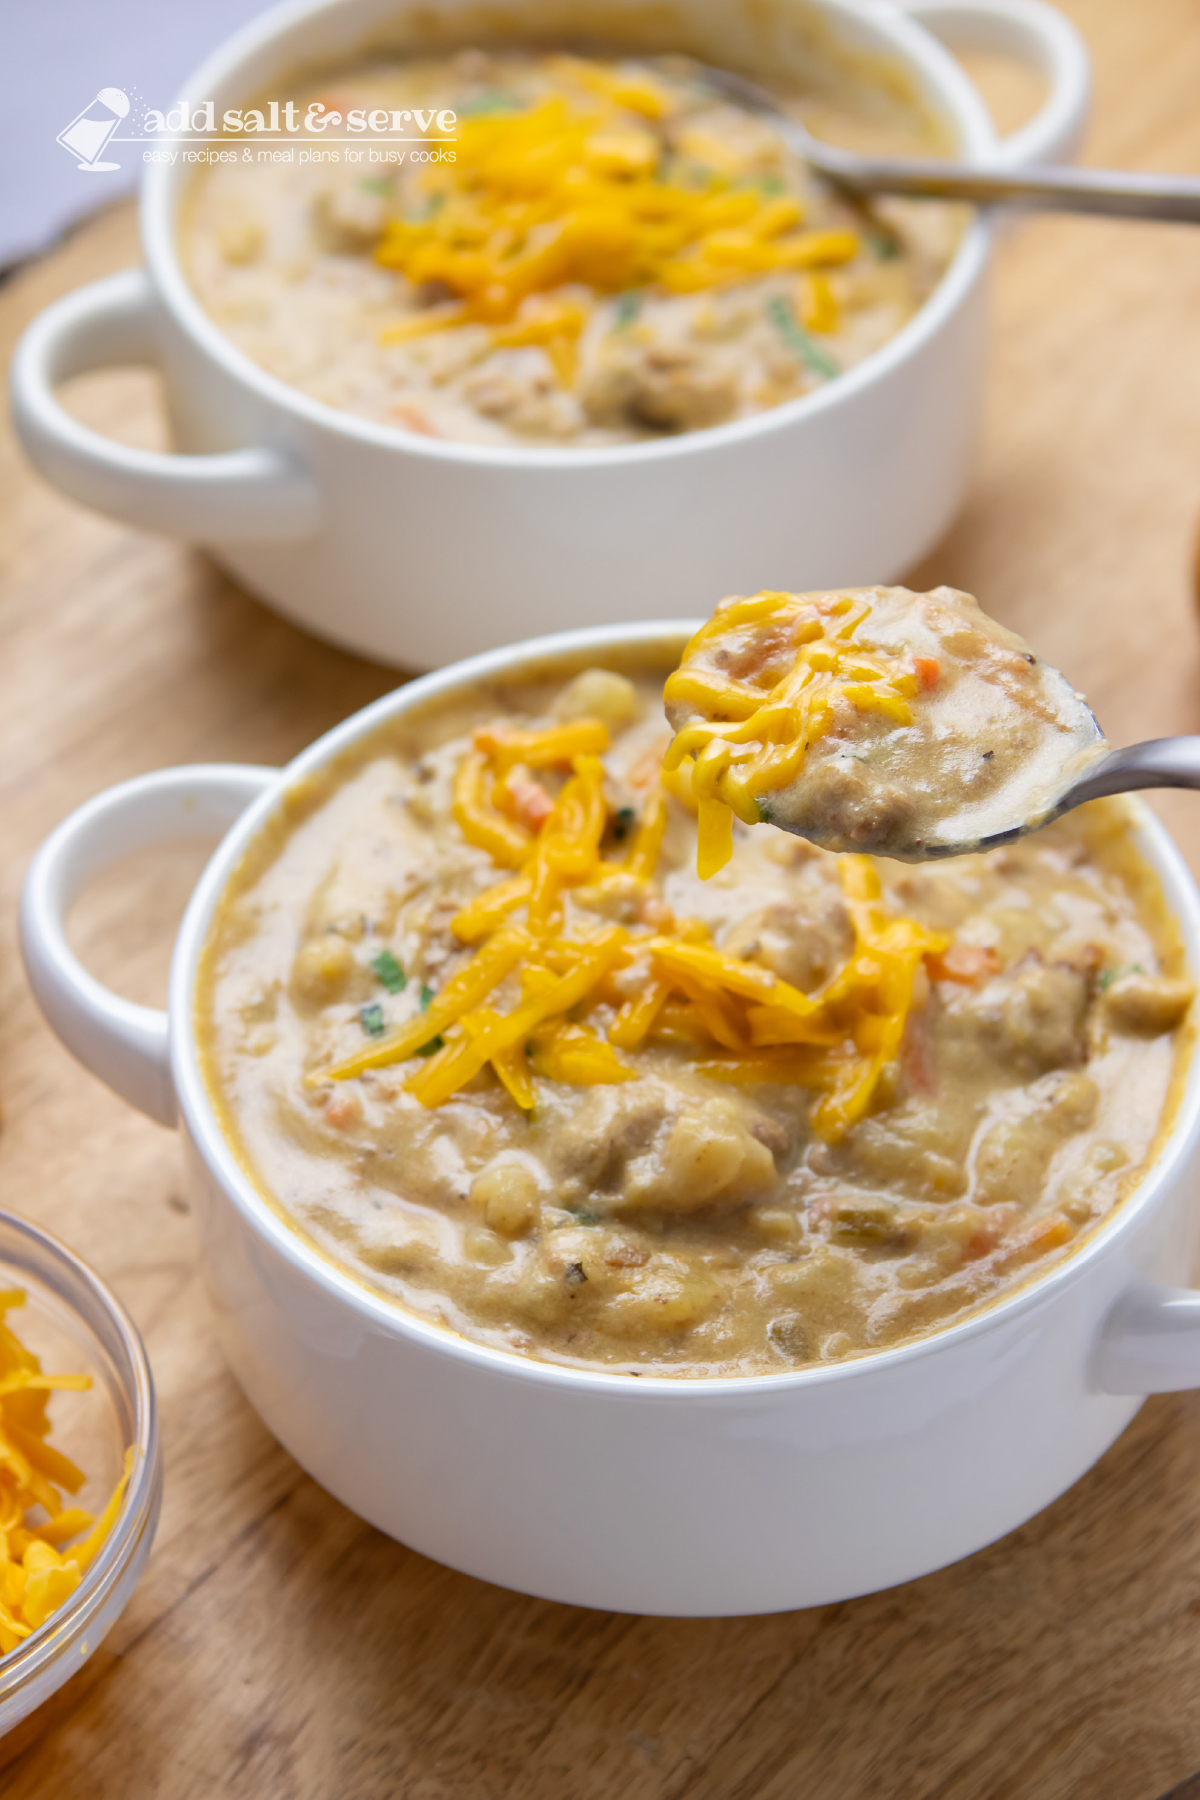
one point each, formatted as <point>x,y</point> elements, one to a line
<point>195,1107</point>
<point>915,47</point>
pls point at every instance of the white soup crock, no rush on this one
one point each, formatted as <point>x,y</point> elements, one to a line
<point>417,551</point>
<point>652,1494</point>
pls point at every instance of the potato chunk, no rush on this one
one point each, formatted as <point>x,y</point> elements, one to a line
<point>668,387</point>
<point>707,1158</point>
<point>239,236</point>
<point>507,1194</point>
<point>348,216</point>
<point>322,969</point>
<point>1146,1005</point>
<point>1014,1151</point>
<point>598,694</point>
<point>801,945</point>
<point>664,1296</point>
<point>1033,1016</point>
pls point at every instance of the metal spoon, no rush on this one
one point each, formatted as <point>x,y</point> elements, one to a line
<point>1160,763</point>
<point>1124,193</point>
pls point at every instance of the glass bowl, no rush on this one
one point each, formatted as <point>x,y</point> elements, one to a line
<point>76,1326</point>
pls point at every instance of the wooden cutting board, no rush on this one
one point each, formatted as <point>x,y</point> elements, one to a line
<point>279,1648</point>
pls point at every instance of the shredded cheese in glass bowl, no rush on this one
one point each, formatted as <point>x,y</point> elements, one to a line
<point>80,1465</point>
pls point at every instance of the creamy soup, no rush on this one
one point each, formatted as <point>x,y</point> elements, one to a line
<point>473,1022</point>
<point>910,725</point>
<point>602,252</point>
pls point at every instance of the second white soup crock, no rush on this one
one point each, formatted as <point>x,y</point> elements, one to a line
<point>418,551</point>
<point>651,1495</point>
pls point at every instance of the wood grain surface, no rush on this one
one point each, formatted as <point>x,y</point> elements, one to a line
<point>277,1647</point>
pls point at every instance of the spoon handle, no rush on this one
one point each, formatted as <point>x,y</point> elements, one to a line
<point>1125,194</point>
<point>1160,763</point>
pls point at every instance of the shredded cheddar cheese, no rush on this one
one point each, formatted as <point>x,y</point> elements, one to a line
<point>743,1022</point>
<point>818,306</point>
<point>36,1576</point>
<point>580,190</point>
<point>757,728</point>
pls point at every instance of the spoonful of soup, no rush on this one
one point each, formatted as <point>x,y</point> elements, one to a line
<point>881,720</point>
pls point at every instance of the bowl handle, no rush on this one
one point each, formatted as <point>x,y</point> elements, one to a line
<point>235,495</point>
<point>1031,32</point>
<point>126,1045</point>
<point>1150,1342</point>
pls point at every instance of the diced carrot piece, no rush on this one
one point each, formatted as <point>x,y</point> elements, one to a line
<point>344,1111</point>
<point>928,671</point>
<point>1037,1239</point>
<point>980,1243</point>
<point>916,1063</point>
<point>414,419</point>
<point>524,799</point>
<point>967,963</point>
